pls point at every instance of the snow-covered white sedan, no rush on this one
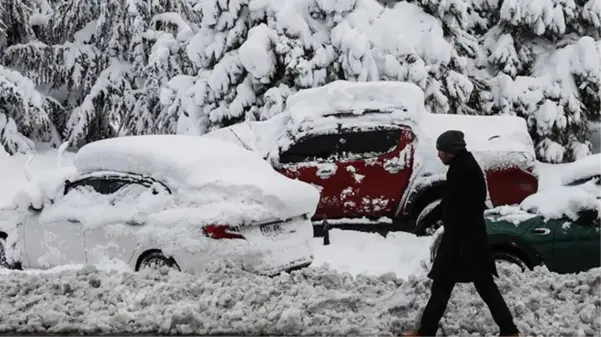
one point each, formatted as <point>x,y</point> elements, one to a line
<point>180,201</point>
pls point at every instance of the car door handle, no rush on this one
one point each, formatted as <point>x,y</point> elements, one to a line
<point>393,167</point>
<point>135,223</point>
<point>541,231</point>
<point>73,220</point>
<point>326,172</point>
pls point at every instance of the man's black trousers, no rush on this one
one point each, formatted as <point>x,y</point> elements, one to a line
<point>488,291</point>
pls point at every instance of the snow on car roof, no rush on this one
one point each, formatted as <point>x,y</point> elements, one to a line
<point>323,109</point>
<point>482,133</point>
<point>583,168</point>
<point>355,98</point>
<point>401,102</point>
<point>173,159</point>
<point>554,202</point>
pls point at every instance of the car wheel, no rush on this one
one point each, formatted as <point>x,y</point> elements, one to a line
<point>156,260</point>
<point>436,238</point>
<point>3,260</point>
<point>510,258</point>
<point>429,219</point>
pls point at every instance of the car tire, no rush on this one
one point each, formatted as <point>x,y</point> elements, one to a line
<point>3,260</point>
<point>507,257</point>
<point>436,239</point>
<point>497,255</point>
<point>155,260</point>
<point>429,219</point>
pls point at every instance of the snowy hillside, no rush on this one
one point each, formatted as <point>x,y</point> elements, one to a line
<point>86,70</point>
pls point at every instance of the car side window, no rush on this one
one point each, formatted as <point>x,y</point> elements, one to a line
<point>596,179</point>
<point>116,189</point>
<point>99,185</point>
<point>368,144</point>
<point>312,148</point>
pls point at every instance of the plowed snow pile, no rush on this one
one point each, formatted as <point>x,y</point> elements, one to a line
<point>315,301</point>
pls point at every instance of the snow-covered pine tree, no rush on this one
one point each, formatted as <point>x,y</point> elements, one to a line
<point>254,54</point>
<point>103,62</point>
<point>547,68</point>
<point>456,83</point>
<point>24,114</point>
<point>165,39</point>
<point>3,28</point>
<point>186,66</point>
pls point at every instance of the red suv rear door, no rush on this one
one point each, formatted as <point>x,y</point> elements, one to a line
<point>380,161</point>
<point>360,172</point>
<point>313,159</point>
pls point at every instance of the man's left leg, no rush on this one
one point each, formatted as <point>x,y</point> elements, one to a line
<point>489,292</point>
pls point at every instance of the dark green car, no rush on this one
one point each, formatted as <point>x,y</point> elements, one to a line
<point>562,244</point>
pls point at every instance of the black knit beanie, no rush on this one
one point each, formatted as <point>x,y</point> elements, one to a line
<point>451,141</point>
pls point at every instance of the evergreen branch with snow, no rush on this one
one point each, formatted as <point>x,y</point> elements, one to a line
<point>117,67</point>
<point>24,113</point>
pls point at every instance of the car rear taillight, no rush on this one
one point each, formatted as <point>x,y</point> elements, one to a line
<point>532,169</point>
<point>529,165</point>
<point>222,232</point>
<point>526,187</point>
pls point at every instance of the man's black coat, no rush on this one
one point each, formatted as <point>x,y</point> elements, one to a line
<point>464,253</point>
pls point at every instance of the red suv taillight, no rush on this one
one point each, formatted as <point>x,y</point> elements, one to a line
<point>529,166</point>
<point>221,232</point>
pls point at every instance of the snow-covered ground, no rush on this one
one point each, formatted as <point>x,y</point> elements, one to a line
<point>360,284</point>
<point>314,301</point>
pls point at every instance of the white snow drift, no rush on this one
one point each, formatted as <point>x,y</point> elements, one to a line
<point>314,301</point>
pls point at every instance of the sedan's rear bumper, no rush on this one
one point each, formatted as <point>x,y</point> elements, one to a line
<point>285,260</point>
<point>262,253</point>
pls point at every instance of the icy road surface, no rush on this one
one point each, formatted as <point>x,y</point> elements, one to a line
<point>314,301</point>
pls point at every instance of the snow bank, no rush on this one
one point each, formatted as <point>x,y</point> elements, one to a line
<point>369,253</point>
<point>314,301</point>
<point>586,167</point>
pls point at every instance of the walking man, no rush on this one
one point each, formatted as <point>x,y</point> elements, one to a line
<point>464,254</point>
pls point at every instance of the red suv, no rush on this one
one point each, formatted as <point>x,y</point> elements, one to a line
<point>377,168</point>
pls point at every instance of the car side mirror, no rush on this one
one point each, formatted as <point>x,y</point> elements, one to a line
<point>587,216</point>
